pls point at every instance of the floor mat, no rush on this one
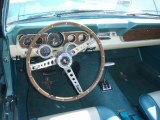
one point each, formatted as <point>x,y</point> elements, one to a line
<point>113,99</point>
<point>130,80</point>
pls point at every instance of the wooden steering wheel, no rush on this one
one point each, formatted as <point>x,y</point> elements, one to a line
<point>64,60</point>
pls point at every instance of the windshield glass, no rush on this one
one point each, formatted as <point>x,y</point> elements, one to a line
<point>23,9</point>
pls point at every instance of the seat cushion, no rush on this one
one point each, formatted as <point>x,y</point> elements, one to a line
<point>150,104</point>
<point>92,113</point>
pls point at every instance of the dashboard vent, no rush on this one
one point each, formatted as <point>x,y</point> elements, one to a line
<point>106,35</point>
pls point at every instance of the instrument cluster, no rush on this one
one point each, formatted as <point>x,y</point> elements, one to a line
<point>53,39</point>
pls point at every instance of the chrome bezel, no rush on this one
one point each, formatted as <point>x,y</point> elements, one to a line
<point>45,45</point>
<point>84,39</point>
<point>60,58</point>
<point>74,38</point>
<point>62,38</point>
<point>42,41</point>
<point>25,40</point>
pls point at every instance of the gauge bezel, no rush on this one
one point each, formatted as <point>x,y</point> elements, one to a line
<point>74,38</point>
<point>83,36</point>
<point>26,39</point>
<point>45,45</point>
<point>42,41</point>
<point>61,37</point>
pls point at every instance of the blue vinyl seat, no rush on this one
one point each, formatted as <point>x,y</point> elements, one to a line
<point>150,105</point>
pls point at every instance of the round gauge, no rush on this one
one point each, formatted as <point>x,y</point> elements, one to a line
<point>39,41</point>
<point>27,41</point>
<point>45,51</point>
<point>55,39</point>
<point>69,46</point>
<point>71,38</point>
<point>82,37</point>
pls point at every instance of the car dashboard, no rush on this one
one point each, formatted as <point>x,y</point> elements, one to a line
<point>113,33</point>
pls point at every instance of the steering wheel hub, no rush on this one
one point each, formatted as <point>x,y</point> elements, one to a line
<point>64,60</point>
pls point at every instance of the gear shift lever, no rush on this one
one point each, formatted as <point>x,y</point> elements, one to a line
<point>104,84</point>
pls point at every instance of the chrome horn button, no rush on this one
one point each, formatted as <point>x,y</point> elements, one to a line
<point>64,60</point>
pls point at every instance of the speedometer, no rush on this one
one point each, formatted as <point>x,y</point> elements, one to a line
<point>55,39</point>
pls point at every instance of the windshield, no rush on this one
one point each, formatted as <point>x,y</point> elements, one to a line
<point>23,9</point>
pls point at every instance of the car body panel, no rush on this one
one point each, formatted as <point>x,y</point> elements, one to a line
<point>1,4</point>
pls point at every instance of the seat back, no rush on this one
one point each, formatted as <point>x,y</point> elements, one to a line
<point>150,105</point>
<point>92,113</point>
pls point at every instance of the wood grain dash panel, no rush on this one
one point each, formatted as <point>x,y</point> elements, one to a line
<point>142,34</point>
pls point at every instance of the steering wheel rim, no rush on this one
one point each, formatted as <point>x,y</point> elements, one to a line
<point>90,88</point>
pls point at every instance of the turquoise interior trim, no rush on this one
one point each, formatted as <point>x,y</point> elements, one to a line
<point>147,102</point>
<point>136,117</point>
<point>4,16</point>
<point>7,68</point>
<point>124,115</point>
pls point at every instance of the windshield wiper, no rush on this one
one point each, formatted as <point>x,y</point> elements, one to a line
<point>70,12</point>
<point>143,15</point>
<point>35,16</point>
<point>78,12</point>
<point>66,13</point>
<point>104,12</point>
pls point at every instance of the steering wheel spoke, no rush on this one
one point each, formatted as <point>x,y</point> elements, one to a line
<point>73,79</point>
<point>82,47</point>
<point>44,64</point>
